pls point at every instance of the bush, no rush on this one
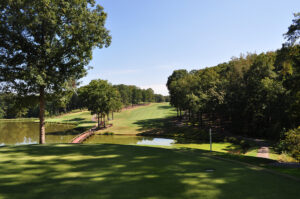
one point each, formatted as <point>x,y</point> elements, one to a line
<point>291,143</point>
<point>108,133</point>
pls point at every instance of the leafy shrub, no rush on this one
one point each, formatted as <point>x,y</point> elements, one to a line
<point>291,143</point>
<point>284,157</point>
<point>108,133</point>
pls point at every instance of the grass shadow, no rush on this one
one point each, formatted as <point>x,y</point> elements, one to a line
<point>76,119</point>
<point>165,107</point>
<point>169,127</point>
<point>120,171</point>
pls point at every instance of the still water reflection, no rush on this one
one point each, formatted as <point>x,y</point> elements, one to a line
<point>122,139</point>
<point>20,133</point>
<point>17,133</point>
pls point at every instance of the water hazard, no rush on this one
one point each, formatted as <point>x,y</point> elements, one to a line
<point>20,133</point>
<point>123,139</point>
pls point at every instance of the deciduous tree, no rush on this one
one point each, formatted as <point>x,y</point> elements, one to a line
<point>45,43</point>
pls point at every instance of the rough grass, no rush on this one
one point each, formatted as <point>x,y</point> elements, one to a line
<point>122,171</point>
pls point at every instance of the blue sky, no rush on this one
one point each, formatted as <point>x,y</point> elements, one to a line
<point>151,38</point>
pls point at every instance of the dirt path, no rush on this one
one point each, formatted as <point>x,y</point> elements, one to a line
<point>263,152</point>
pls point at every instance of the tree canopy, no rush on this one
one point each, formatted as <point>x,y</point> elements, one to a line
<point>100,98</point>
<point>45,43</point>
<point>254,95</point>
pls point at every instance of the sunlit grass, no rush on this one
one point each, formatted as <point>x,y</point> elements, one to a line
<point>81,119</point>
<point>122,171</point>
<point>125,122</point>
<point>219,147</point>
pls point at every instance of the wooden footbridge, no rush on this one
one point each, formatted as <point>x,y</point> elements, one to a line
<point>85,135</point>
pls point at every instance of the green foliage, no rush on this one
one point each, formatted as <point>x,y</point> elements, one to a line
<point>291,143</point>
<point>108,133</point>
<point>95,96</point>
<point>12,106</point>
<point>100,98</point>
<point>250,94</point>
<point>44,43</point>
<point>132,95</point>
<point>253,95</point>
<point>159,98</point>
<point>293,32</point>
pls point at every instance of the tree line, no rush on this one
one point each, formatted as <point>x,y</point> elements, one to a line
<point>256,95</point>
<point>72,98</point>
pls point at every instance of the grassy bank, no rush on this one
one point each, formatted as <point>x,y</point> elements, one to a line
<point>122,171</point>
<point>19,120</point>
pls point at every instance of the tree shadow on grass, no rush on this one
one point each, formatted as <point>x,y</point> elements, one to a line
<point>169,127</point>
<point>76,119</point>
<point>186,134</point>
<point>165,107</point>
<point>76,130</point>
<point>120,171</point>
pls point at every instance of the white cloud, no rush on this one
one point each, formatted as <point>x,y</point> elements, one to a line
<point>158,88</point>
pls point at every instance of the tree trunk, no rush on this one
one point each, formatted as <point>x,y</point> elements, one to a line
<point>42,115</point>
<point>98,120</point>
<point>180,116</point>
<point>101,120</point>
<point>201,121</point>
<point>112,115</point>
<point>177,112</point>
<point>104,122</point>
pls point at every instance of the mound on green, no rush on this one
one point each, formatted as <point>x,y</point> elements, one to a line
<point>122,171</point>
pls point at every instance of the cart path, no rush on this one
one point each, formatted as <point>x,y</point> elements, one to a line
<point>263,152</point>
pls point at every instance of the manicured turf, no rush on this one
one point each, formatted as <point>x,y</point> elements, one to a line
<point>156,117</point>
<point>81,119</point>
<point>122,171</point>
<point>126,122</point>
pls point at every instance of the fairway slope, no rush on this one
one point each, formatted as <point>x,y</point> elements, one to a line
<point>127,121</point>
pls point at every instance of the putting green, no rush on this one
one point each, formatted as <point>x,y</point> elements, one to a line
<point>123,171</point>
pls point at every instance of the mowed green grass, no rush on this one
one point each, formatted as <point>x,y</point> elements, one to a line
<point>121,171</point>
<point>81,119</point>
<point>126,122</point>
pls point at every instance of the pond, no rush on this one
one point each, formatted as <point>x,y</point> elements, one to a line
<point>19,133</point>
<point>123,139</point>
